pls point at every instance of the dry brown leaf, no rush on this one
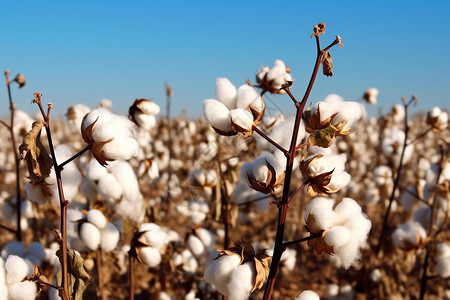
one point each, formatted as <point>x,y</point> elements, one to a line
<point>327,64</point>
<point>32,150</point>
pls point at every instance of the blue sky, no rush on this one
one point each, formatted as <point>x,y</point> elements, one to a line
<point>80,52</point>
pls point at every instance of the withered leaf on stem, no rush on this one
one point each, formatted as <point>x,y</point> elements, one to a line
<point>261,261</point>
<point>32,150</point>
<point>327,64</point>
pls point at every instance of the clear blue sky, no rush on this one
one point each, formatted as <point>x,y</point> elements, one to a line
<point>82,51</point>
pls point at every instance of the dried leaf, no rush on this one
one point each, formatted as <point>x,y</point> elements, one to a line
<point>327,64</point>
<point>322,137</point>
<point>262,271</point>
<point>32,150</point>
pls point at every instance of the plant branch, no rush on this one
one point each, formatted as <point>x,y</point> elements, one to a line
<point>8,229</point>
<point>267,138</point>
<point>299,190</point>
<point>131,275</point>
<point>396,181</point>
<point>81,152</point>
<point>312,236</point>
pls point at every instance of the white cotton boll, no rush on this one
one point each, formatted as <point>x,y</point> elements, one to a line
<point>333,291</point>
<point>242,281</point>
<point>35,194</point>
<point>242,118</point>
<point>289,258</point>
<point>197,217</point>
<point>349,253</point>
<point>122,149</point>
<point>13,248</point>
<point>164,296</point>
<point>109,189</point>
<point>226,92</point>
<point>26,209</point>
<point>371,95</point>
<point>217,115</point>
<point>261,73</point>
<point>207,238</point>
<point>337,236</point>
<point>150,256</point>
<point>347,110</point>
<point>109,237</point>
<point>246,95</point>
<point>36,250</point>
<point>95,171</point>
<point>409,233</point>
<point>322,210</point>
<point>346,208</point>
<point>90,235</point>
<point>97,218</point>
<point>144,121</point>
<point>149,107</point>
<point>278,70</point>
<point>308,295</point>
<point>219,272</point>
<point>17,269</point>
<point>398,113</point>
<point>190,264</point>
<point>195,245</point>
<point>156,238</point>
<point>376,275</point>
<point>26,290</point>
<point>148,226</point>
<point>339,180</point>
<point>126,177</point>
<point>382,175</point>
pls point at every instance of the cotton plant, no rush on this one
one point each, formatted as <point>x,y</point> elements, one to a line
<point>437,119</point>
<point>238,271</point>
<point>342,230</point>
<point>197,211</point>
<point>75,115</point>
<point>96,232</point>
<point>370,95</point>
<point>143,112</point>
<point>270,79</point>
<point>110,136</point>
<point>235,110</point>
<point>410,236</point>
<point>392,145</point>
<point>200,241</point>
<point>204,180</point>
<point>15,274</point>
<point>344,292</point>
<point>33,253</point>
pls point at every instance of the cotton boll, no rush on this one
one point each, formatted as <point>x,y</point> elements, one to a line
<point>220,271</point>
<point>289,258</point>
<point>13,248</point>
<point>26,290</point>
<point>207,238</point>
<point>121,149</point>
<point>126,177</point>
<point>97,218</point>
<point>109,189</point>
<point>346,208</point>
<point>408,235</point>
<point>17,269</point>
<point>195,245</point>
<point>37,251</point>
<point>308,295</point>
<point>109,237</point>
<point>226,92</point>
<point>217,115</point>
<point>337,236</point>
<point>242,281</point>
<point>90,235</point>
<point>35,194</point>
<point>26,209</point>
<point>246,95</point>
<point>376,275</point>
<point>156,238</point>
<point>242,118</point>
<point>95,171</point>
<point>321,210</point>
<point>150,256</point>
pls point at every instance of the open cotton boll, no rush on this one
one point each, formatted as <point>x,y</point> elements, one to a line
<point>109,237</point>
<point>90,235</point>
<point>145,121</point>
<point>408,235</point>
<point>157,238</point>
<point>97,218</point>
<point>13,248</point>
<point>95,171</point>
<point>195,245</point>
<point>149,107</point>
<point>337,236</point>
<point>126,177</point>
<point>321,208</point>
<point>26,290</point>
<point>109,189</point>
<point>150,256</point>
<point>346,209</point>
<point>226,92</point>
<point>35,194</point>
<point>217,115</point>
<point>17,269</point>
<point>242,118</point>
<point>242,281</point>
<point>219,272</point>
<point>123,148</point>
<point>207,238</point>
<point>246,95</point>
<point>308,295</point>
<point>37,251</point>
<point>278,70</point>
<point>348,111</point>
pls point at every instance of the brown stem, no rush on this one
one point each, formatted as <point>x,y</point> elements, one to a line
<point>63,203</point>
<point>131,275</point>
<point>282,211</point>
<point>302,145</point>
<point>299,190</point>
<point>12,108</point>
<point>61,165</point>
<point>8,229</point>
<point>169,143</point>
<point>396,181</point>
<point>99,274</point>
<point>312,236</point>
<point>423,134</point>
<point>225,211</point>
<point>267,138</point>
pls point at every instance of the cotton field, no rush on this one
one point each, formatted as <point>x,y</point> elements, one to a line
<point>325,202</point>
